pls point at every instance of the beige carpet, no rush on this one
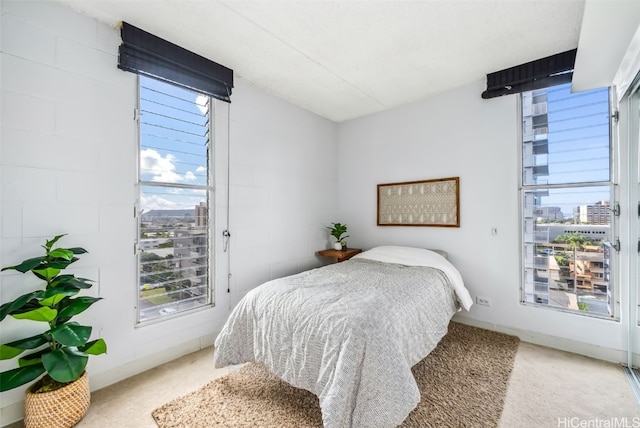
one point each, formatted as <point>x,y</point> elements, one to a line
<point>463,382</point>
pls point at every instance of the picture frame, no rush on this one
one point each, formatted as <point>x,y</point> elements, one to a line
<point>431,203</point>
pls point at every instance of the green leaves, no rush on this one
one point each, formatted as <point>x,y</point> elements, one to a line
<point>54,296</point>
<point>33,358</point>
<point>61,253</point>
<point>95,347</point>
<point>75,306</point>
<point>26,265</point>
<point>19,303</point>
<point>574,239</point>
<point>337,230</point>
<point>14,378</point>
<point>46,273</point>
<point>71,334</point>
<point>63,349</point>
<point>65,364</point>
<point>69,282</point>
<point>50,243</point>
<point>41,314</point>
<point>8,352</point>
<point>15,348</point>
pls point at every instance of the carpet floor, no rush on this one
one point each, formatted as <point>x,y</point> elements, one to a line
<point>463,382</point>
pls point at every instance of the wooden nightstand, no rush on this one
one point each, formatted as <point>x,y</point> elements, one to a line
<point>340,255</point>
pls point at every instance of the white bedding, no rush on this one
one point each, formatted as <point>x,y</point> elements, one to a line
<point>348,332</point>
<point>411,256</point>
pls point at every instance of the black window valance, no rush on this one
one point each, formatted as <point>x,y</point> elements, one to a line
<point>542,73</point>
<point>144,53</point>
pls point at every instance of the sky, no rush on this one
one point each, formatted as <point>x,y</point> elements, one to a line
<point>578,146</point>
<point>173,145</point>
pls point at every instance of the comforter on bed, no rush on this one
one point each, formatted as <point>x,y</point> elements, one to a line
<point>348,332</point>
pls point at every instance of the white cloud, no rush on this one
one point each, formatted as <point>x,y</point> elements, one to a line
<point>185,192</point>
<point>201,169</point>
<point>202,102</point>
<point>162,168</point>
<point>156,202</point>
<point>152,162</point>
<point>172,199</point>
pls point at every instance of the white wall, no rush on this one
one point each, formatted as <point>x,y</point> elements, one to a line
<point>460,134</point>
<point>283,188</point>
<point>68,165</point>
<point>605,35</point>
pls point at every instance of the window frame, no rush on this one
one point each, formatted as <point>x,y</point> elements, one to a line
<point>209,189</point>
<point>612,184</point>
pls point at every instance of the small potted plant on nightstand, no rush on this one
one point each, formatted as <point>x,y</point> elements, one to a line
<point>60,398</point>
<point>338,231</point>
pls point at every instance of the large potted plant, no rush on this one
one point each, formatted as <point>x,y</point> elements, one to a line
<point>61,397</point>
<point>338,231</point>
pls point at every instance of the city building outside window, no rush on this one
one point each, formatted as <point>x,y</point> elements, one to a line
<point>175,193</point>
<point>567,197</point>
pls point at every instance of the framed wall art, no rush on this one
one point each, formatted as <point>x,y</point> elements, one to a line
<point>420,203</point>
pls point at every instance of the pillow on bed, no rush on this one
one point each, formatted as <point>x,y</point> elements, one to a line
<point>410,256</point>
<point>402,255</point>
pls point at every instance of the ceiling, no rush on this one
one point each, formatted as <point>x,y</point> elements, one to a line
<point>346,59</point>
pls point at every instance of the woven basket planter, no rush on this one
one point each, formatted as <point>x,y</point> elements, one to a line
<point>62,408</point>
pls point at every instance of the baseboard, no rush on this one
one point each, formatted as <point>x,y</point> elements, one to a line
<point>11,413</point>
<point>14,412</point>
<point>109,377</point>
<point>615,356</point>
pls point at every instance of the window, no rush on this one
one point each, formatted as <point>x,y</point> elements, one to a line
<point>567,200</point>
<point>175,193</point>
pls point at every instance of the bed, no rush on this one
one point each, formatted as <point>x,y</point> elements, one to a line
<point>350,332</point>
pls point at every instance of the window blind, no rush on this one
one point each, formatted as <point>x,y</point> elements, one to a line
<point>565,136</point>
<point>146,54</point>
<point>567,200</point>
<point>175,193</point>
<point>542,73</point>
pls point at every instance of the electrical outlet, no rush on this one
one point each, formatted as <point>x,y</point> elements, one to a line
<point>484,301</point>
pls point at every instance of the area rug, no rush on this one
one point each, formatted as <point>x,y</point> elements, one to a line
<point>462,383</point>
